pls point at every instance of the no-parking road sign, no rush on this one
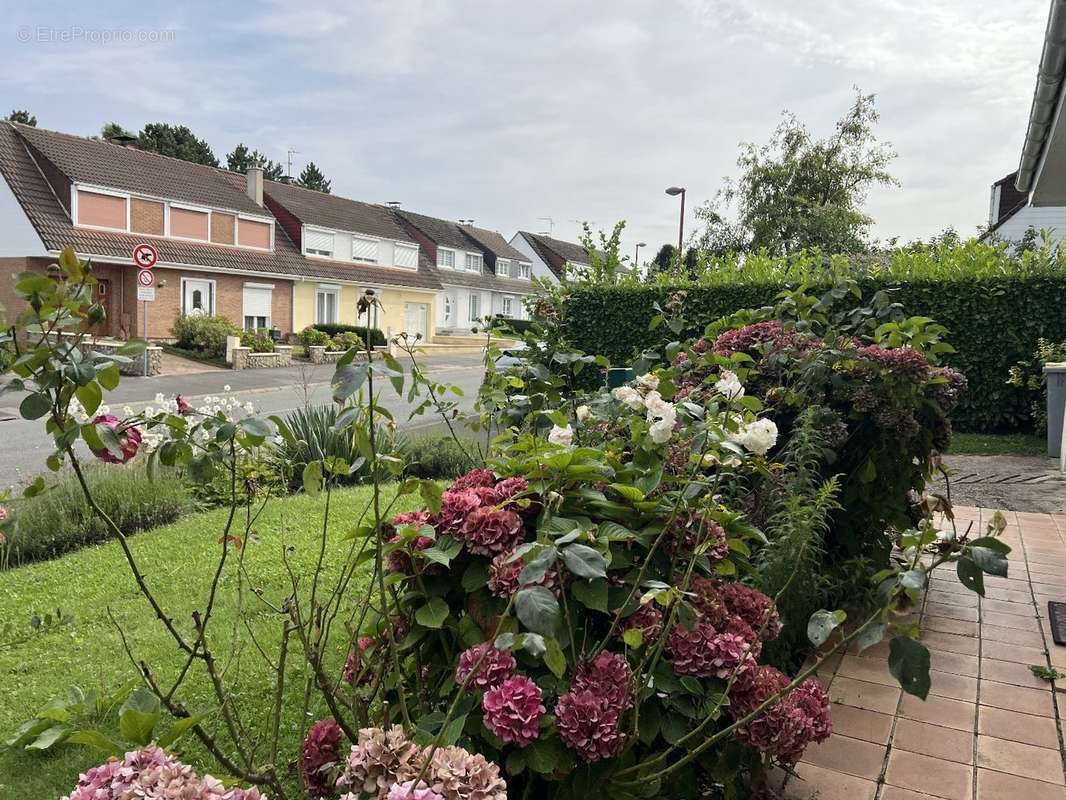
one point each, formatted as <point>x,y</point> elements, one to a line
<point>145,256</point>
<point>146,278</point>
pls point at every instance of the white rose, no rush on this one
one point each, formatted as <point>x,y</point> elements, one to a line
<point>657,407</point>
<point>561,436</point>
<point>648,382</point>
<point>629,396</point>
<point>225,388</point>
<point>583,413</point>
<point>759,436</point>
<point>661,430</point>
<point>729,385</point>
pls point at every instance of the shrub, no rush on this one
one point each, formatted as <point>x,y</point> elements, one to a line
<point>346,340</point>
<point>60,520</point>
<point>372,335</point>
<point>996,306</point>
<point>1028,375</point>
<point>258,340</point>
<point>203,334</point>
<point>438,457</point>
<point>313,337</point>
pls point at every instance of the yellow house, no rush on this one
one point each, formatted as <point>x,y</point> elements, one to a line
<point>351,248</point>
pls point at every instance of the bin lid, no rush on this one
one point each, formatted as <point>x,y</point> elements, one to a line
<point>1055,366</point>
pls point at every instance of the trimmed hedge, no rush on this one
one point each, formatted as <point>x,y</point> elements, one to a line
<point>993,322</point>
<point>373,336</point>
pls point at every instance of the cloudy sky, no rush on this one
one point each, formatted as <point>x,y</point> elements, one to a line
<point>510,112</point>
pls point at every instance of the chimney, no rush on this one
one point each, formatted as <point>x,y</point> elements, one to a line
<point>255,184</point>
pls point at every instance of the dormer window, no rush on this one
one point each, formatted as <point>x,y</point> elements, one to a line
<point>318,243</point>
<point>503,267</point>
<point>102,210</point>
<point>474,262</point>
<point>445,258</point>
<point>365,250</point>
<point>523,270</point>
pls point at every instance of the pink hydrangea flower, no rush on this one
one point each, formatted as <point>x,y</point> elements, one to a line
<point>488,532</point>
<point>588,724</point>
<point>509,488</point>
<point>648,620</point>
<point>695,532</point>
<point>904,361</point>
<point>129,439</point>
<point>356,672</point>
<point>408,791</point>
<point>473,479</point>
<point>704,652</point>
<point>513,710</point>
<point>504,574</point>
<point>497,666</point>
<point>608,675</point>
<point>320,757</point>
<point>399,560</point>
<point>754,607</point>
<point>784,729</point>
<point>456,504</point>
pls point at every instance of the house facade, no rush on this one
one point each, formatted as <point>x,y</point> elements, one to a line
<point>480,274</point>
<point>551,258</point>
<point>351,248</point>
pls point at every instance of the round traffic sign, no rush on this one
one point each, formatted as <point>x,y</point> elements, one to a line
<point>146,277</point>
<point>145,256</point>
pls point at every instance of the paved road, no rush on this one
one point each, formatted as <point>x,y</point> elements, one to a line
<point>24,445</point>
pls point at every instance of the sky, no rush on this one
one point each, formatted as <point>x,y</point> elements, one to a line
<point>512,113</point>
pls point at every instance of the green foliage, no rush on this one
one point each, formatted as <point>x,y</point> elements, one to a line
<point>798,192</point>
<point>995,305</point>
<point>312,178</point>
<point>176,141</point>
<point>113,130</point>
<point>374,335</point>
<point>257,477</point>
<point>313,337</point>
<point>259,340</point>
<point>1028,376</point>
<point>23,116</point>
<point>60,520</point>
<point>204,334</point>
<point>240,158</point>
<point>437,457</point>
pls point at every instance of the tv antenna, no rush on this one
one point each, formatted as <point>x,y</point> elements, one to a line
<point>289,154</point>
<point>551,224</point>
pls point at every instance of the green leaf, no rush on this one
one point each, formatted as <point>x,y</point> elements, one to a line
<point>347,380</point>
<point>908,661</point>
<point>109,439</point>
<point>872,634</point>
<point>138,715</point>
<point>554,658</point>
<point>453,731</point>
<point>591,594</point>
<point>109,377</point>
<point>992,543</point>
<point>971,575</point>
<point>634,637</point>
<point>538,567</point>
<point>476,576</point>
<point>90,395</point>
<point>35,406</point>
<point>989,560</point>
<point>95,739</point>
<point>51,736</point>
<point>179,729</point>
<point>432,614</point>
<point>584,561</point>
<point>257,427</point>
<point>822,623</point>
<point>312,478</point>
<point>538,610</point>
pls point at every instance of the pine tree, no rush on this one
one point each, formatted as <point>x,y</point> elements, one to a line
<point>177,141</point>
<point>312,178</point>
<point>23,116</point>
<point>240,158</point>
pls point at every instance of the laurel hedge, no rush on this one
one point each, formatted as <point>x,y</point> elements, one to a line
<point>993,320</point>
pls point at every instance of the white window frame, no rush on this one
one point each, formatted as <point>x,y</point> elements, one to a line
<point>318,253</point>
<point>477,259</point>
<point>507,306</point>
<point>212,299</point>
<point>244,313</point>
<point>362,237</point>
<point>442,251</point>
<point>333,290</point>
<point>501,262</point>
<point>525,271</point>
<point>474,301</point>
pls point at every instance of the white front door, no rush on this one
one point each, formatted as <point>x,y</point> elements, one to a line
<point>415,318</point>
<point>197,297</point>
<point>448,310</point>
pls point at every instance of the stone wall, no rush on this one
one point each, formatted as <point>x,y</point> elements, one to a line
<point>134,367</point>
<point>244,358</point>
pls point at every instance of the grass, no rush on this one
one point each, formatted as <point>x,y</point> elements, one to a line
<point>178,561</point>
<point>998,444</point>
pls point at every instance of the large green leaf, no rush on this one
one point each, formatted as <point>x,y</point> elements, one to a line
<point>822,623</point>
<point>35,406</point>
<point>908,661</point>
<point>971,575</point>
<point>538,610</point>
<point>990,560</point>
<point>89,396</point>
<point>591,594</point>
<point>432,614</point>
<point>138,716</point>
<point>584,561</point>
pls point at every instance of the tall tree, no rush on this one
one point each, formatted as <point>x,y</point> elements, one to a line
<point>240,158</point>
<point>23,116</point>
<point>312,178</point>
<point>797,191</point>
<point>177,141</point>
<point>112,130</point>
<point>664,259</point>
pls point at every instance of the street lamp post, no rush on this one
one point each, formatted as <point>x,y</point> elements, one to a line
<point>636,253</point>
<point>673,191</point>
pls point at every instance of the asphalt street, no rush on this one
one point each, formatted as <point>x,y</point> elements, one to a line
<point>24,446</point>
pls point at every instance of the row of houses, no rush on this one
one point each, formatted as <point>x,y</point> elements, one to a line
<point>265,254</point>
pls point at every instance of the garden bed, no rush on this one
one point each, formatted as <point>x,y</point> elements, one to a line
<point>89,649</point>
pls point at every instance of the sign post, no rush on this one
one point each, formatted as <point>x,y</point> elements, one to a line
<point>145,257</point>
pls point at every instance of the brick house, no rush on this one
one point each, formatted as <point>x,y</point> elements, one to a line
<point>220,250</point>
<point>480,273</point>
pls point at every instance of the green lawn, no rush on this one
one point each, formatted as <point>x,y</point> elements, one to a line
<point>998,444</point>
<point>178,561</point>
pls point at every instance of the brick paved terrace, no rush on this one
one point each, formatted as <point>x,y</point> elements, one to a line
<point>990,729</point>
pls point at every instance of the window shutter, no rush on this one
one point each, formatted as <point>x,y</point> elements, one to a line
<point>317,240</point>
<point>364,249</point>
<point>406,256</point>
<point>257,301</point>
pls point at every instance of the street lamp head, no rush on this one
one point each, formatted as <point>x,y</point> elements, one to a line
<point>674,190</point>
<point>642,244</point>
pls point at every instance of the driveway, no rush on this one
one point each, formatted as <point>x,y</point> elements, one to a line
<point>24,445</point>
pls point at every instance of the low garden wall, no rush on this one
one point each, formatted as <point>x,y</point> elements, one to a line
<point>134,367</point>
<point>244,358</point>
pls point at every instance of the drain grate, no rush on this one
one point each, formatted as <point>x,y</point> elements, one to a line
<point>1008,479</point>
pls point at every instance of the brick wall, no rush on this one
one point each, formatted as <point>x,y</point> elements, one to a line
<point>11,304</point>
<point>222,228</point>
<point>146,216</point>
